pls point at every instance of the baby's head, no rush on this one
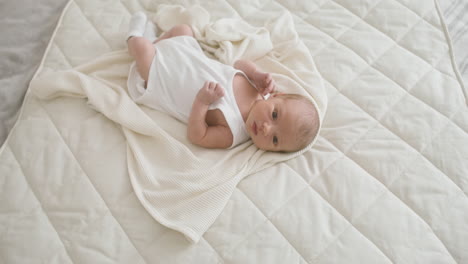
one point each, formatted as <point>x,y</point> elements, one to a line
<point>284,122</point>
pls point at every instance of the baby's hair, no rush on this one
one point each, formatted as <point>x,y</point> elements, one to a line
<point>308,123</point>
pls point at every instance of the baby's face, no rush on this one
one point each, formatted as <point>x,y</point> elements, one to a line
<point>271,124</point>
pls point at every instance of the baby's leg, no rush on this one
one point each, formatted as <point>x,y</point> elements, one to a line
<point>143,52</point>
<point>179,30</point>
<point>140,47</point>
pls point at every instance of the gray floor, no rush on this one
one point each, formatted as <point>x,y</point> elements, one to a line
<point>26,27</point>
<point>456,18</point>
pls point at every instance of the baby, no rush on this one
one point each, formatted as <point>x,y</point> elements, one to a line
<point>222,105</point>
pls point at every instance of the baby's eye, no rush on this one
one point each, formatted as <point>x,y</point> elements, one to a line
<point>274,115</point>
<point>275,140</point>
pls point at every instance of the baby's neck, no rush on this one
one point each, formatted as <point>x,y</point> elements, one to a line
<point>245,95</point>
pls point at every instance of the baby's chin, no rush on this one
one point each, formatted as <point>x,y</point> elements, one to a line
<point>262,147</point>
<point>255,144</point>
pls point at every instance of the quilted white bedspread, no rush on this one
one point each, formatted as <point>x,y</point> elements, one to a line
<point>386,182</point>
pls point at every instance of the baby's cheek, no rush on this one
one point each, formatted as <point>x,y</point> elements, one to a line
<point>259,143</point>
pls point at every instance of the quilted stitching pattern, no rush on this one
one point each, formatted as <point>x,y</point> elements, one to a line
<point>376,188</point>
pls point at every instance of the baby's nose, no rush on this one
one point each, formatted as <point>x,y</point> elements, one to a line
<point>266,128</point>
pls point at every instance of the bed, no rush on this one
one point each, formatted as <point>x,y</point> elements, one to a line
<point>386,181</point>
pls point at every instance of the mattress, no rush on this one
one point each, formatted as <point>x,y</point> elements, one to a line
<point>385,182</point>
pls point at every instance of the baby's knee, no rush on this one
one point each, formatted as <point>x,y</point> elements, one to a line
<point>139,45</point>
<point>183,30</point>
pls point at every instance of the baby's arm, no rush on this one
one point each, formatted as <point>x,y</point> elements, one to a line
<point>262,80</point>
<point>198,131</point>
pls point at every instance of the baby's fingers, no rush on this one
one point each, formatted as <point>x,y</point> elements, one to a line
<point>219,91</point>
<point>207,86</point>
<point>270,88</point>
<point>268,79</point>
<point>211,86</point>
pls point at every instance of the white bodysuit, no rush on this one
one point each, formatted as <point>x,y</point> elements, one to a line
<point>178,71</point>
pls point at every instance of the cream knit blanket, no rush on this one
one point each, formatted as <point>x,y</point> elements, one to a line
<point>182,186</point>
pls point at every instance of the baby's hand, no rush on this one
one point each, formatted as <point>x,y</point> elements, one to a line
<point>210,92</point>
<point>264,82</point>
